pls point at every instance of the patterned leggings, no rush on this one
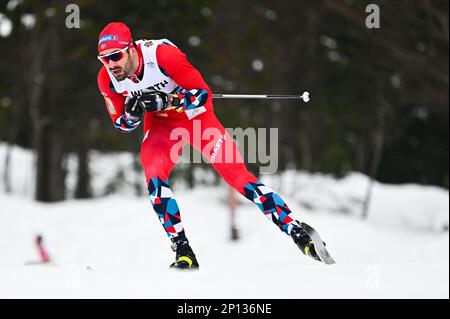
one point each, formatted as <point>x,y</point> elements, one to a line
<point>161,148</point>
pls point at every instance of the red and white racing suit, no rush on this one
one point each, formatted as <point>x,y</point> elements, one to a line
<point>163,67</point>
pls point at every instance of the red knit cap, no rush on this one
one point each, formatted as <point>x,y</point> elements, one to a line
<point>115,35</point>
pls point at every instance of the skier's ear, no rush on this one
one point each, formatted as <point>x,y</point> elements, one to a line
<point>133,53</point>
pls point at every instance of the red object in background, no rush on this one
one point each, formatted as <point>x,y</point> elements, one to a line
<point>42,252</point>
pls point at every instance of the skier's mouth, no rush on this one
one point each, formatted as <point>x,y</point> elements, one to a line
<point>117,71</point>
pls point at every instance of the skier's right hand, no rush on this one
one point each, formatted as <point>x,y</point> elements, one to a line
<point>133,109</point>
<point>154,101</point>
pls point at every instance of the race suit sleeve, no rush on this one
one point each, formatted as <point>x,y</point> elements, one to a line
<point>174,64</point>
<point>115,104</point>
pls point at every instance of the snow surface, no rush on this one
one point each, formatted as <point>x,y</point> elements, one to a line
<point>114,246</point>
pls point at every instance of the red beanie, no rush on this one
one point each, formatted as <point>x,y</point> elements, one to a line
<point>115,35</point>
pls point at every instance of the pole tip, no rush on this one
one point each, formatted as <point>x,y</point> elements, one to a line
<point>305,96</point>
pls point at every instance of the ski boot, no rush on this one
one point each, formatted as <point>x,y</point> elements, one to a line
<point>185,257</point>
<point>304,242</point>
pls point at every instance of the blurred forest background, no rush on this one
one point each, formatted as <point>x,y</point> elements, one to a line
<point>379,96</point>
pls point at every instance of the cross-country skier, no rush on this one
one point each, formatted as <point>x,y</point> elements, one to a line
<point>152,81</point>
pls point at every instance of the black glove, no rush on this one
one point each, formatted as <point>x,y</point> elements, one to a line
<point>133,109</point>
<point>154,101</point>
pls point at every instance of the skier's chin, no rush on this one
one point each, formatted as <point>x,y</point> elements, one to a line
<point>120,76</point>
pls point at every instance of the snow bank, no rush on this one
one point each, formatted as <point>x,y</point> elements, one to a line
<point>414,207</point>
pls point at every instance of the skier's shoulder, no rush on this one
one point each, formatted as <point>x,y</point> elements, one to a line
<point>164,49</point>
<point>168,55</point>
<point>103,77</point>
<point>154,43</point>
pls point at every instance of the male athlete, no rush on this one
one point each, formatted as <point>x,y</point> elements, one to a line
<point>151,81</point>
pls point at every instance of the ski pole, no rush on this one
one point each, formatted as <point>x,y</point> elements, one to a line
<point>304,96</point>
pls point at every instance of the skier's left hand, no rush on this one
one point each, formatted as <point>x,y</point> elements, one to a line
<point>154,101</point>
<point>133,110</point>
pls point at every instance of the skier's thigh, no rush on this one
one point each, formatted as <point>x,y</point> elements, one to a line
<point>159,153</point>
<point>222,152</point>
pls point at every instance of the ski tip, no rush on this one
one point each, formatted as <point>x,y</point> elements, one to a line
<point>326,258</point>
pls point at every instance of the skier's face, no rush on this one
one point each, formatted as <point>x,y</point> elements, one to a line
<point>122,64</point>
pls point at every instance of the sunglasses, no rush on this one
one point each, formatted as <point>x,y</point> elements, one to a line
<point>113,56</point>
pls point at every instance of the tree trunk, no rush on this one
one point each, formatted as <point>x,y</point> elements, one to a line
<point>46,117</point>
<point>83,188</point>
<point>379,138</point>
<point>50,177</point>
<point>6,166</point>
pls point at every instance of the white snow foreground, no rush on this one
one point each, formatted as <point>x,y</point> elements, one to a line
<point>115,247</point>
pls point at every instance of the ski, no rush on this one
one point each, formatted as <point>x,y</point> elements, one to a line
<point>323,253</point>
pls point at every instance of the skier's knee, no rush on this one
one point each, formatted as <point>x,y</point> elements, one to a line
<point>155,182</point>
<point>239,182</point>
